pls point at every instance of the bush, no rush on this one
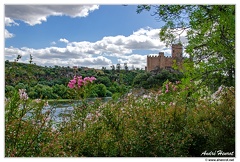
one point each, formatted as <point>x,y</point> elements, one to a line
<point>175,121</point>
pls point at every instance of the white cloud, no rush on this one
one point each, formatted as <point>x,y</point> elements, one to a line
<point>136,60</point>
<point>10,22</point>
<point>36,14</point>
<point>97,54</point>
<point>53,43</point>
<point>63,40</point>
<point>7,34</point>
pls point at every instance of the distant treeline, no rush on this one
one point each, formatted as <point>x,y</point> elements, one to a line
<point>51,82</point>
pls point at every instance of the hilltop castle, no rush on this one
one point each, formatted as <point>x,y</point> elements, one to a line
<point>164,62</point>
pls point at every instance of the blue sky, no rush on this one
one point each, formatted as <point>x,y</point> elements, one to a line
<point>82,35</point>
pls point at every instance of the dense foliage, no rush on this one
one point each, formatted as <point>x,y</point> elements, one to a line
<point>163,123</point>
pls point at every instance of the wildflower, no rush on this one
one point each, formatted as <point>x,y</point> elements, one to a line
<point>174,88</point>
<point>146,96</point>
<point>46,104</point>
<point>171,104</point>
<point>166,88</point>
<point>37,100</point>
<point>89,79</point>
<point>163,103</point>
<point>23,94</point>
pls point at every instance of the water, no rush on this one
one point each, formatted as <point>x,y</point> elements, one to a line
<point>61,109</point>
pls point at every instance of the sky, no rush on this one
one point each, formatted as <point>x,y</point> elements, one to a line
<point>93,36</point>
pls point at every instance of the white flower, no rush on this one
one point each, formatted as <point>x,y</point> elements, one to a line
<point>23,94</point>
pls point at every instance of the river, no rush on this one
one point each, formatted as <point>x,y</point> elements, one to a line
<point>61,108</point>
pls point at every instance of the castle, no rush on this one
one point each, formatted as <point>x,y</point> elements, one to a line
<point>164,62</point>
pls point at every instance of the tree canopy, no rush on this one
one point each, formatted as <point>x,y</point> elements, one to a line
<point>210,34</point>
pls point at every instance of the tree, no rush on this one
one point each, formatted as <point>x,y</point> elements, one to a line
<point>104,80</point>
<point>210,31</point>
<point>125,67</point>
<point>9,91</point>
<point>100,90</point>
<point>60,90</point>
<point>118,68</point>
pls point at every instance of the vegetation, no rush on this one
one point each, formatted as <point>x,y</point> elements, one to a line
<point>51,82</point>
<point>181,114</point>
<point>165,123</point>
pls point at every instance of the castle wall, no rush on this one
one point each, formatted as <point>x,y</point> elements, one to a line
<point>162,61</point>
<point>168,61</point>
<point>152,62</point>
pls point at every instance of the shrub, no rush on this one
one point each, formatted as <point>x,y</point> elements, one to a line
<point>175,121</point>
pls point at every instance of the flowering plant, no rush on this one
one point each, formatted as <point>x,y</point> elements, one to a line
<point>81,85</point>
<point>78,81</point>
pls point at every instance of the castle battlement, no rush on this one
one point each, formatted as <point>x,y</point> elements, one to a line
<point>162,61</point>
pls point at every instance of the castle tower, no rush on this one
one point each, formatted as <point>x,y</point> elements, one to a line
<point>177,50</point>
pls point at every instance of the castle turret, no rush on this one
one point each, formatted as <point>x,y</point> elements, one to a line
<point>177,50</point>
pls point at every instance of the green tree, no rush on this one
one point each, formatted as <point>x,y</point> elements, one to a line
<point>100,90</point>
<point>210,31</point>
<point>141,80</point>
<point>20,86</point>
<point>9,91</point>
<point>60,90</point>
<point>42,91</point>
<point>104,80</point>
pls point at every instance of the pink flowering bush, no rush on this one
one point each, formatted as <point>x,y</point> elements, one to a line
<point>78,81</point>
<point>81,85</point>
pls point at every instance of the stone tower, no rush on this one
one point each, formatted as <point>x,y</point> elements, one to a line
<point>177,51</point>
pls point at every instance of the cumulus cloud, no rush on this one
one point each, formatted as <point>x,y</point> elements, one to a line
<point>56,56</point>
<point>36,14</point>
<point>136,60</point>
<point>7,34</point>
<point>97,54</point>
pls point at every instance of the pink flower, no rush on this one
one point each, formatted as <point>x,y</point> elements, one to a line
<point>71,84</point>
<point>177,82</point>
<point>93,78</point>
<point>89,79</point>
<point>166,88</point>
<point>79,81</point>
